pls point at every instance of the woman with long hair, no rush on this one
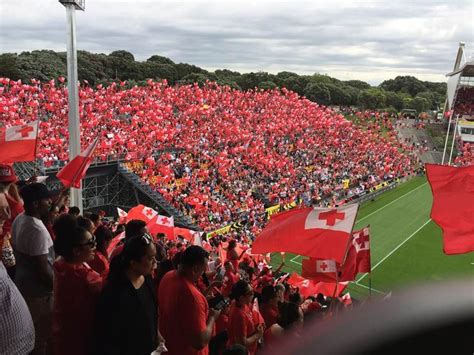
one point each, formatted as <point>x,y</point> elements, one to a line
<point>127,312</point>
<point>76,288</point>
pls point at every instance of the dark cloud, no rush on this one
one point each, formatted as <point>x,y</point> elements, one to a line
<point>367,40</point>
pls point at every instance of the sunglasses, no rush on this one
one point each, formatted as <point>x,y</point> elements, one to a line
<point>91,242</point>
<point>147,238</point>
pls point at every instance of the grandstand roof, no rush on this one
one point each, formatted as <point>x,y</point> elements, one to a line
<point>467,69</point>
<point>462,69</point>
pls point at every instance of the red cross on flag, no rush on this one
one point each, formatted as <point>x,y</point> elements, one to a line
<point>74,171</point>
<point>18,143</point>
<point>319,233</point>
<point>358,255</point>
<point>319,270</point>
<point>122,216</point>
<point>141,212</point>
<point>161,224</point>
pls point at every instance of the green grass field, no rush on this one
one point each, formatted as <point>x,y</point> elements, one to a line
<point>406,246</point>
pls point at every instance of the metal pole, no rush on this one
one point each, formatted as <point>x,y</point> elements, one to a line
<point>454,137</point>
<point>446,140</point>
<point>72,81</point>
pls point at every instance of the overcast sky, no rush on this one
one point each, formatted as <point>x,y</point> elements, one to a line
<point>366,40</point>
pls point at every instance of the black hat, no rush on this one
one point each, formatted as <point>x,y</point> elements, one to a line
<point>34,192</point>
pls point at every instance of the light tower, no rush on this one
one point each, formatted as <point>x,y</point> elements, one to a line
<point>72,81</point>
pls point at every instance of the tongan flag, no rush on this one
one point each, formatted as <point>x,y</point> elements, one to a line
<point>453,205</point>
<point>162,224</point>
<point>358,256</point>
<point>74,171</point>
<point>315,232</point>
<point>319,270</point>
<point>142,213</point>
<point>18,143</point>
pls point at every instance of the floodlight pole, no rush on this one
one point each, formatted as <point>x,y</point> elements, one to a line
<point>72,82</point>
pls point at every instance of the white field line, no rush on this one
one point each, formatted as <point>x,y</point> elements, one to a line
<point>295,257</point>
<point>396,248</point>
<point>368,288</point>
<point>388,204</point>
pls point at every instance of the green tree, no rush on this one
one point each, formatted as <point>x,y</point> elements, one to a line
<point>8,67</point>
<point>372,98</point>
<point>338,95</point>
<point>359,84</point>
<point>43,65</point>
<point>395,100</point>
<point>318,92</point>
<point>296,84</point>
<point>267,85</point>
<point>160,60</point>
<point>420,104</point>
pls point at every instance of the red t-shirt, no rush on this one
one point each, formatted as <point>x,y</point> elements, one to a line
<point>230,278</point>
<point>230,256</point>
<point>183,311</point>
<point>269,314</point>
<point>76,290</point>
<point>100,264</point>
<point>241,325</point>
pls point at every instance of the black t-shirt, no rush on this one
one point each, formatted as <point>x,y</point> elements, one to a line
<point>144,294</point>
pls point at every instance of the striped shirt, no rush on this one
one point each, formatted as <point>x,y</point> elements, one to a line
<point>17,333</point>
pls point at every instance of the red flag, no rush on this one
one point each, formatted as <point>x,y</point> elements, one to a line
<point>315,232</point>
<point>162,224</point>
<point>358,256</point>
<point>114,242</point>
<point>142,213</point>
<point>319,270</point>
<point>74,171</point>
<point>183,232</point>
<point>311,288</point>
<point>18,143</point>
<point>453,207</point>
<point>122,215</point>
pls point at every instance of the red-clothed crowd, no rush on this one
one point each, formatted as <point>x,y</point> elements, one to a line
<point>242,150</point>
<point>466,155</point>
<point>464,104</point>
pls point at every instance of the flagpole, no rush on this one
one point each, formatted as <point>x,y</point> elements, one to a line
<point>454,137</point>
<point>447,136</point>
<point>35,172</point>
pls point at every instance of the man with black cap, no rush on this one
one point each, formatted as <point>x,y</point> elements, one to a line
<point>34,254</point>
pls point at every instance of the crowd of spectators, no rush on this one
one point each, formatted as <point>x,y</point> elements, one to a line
<point>466,155</point>
<point>74,294</point>
<point>233,152</point>
<point>464,104</point>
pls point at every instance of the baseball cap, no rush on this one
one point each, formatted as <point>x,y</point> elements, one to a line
<point>7,174</point>
<point>35,192</point>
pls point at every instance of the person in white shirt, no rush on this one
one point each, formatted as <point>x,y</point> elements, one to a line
<point>34,254</point>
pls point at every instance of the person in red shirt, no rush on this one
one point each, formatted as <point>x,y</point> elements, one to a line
<point>100,263</point>
<point>76,289</point>
<point>230,278</point>
<point>232,254</point>
<point>269,306</point>
<point>242,328</point>
<point>186,322</point>
<point>290,323</point>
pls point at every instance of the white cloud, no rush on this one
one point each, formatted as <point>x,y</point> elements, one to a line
<point>368,40</point>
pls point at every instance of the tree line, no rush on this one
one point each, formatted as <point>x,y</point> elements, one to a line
<point>403,92</point>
